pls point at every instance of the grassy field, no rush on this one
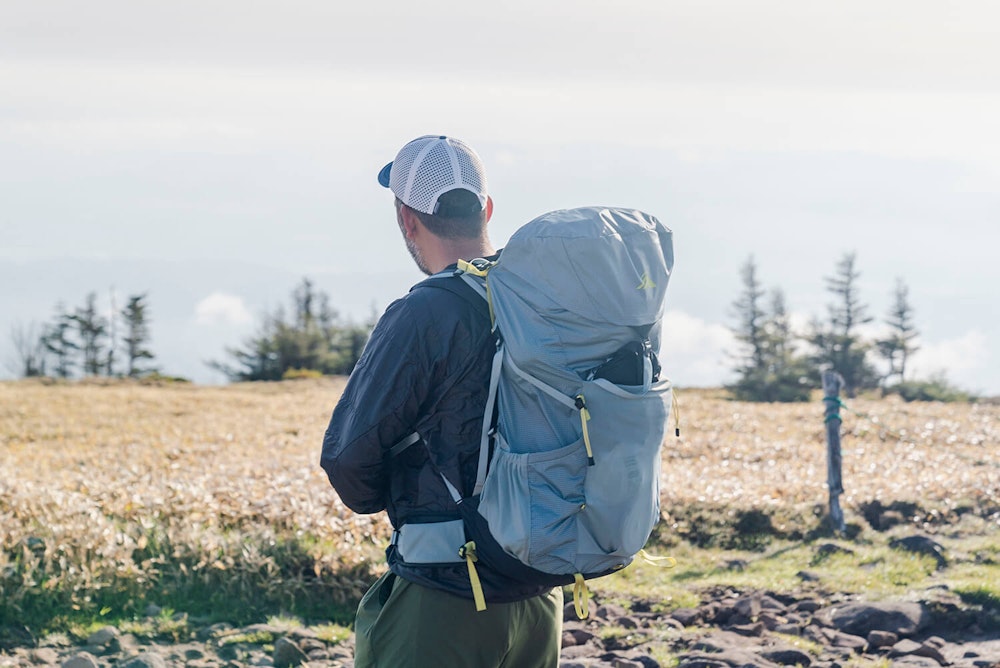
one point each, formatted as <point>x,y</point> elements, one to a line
<point>211,501</point>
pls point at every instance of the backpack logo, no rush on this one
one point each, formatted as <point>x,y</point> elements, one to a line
<point>646,283</point>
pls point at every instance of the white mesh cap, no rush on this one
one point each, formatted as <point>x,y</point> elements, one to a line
<point>431,165</point>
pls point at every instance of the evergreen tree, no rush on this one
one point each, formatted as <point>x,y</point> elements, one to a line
<point>311,339</point>
<point>899,346</point>
<point>59,343</point>
<point>29,347</point>
<point>135,317</point>
<point>839,345</point>
<point>750,314</point>
<point>92,328</point>
<point>787,370</point>
<point>768,369</point>
<point>109,363</point>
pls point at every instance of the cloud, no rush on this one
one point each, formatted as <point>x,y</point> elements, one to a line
<point>695,352</point>
<point>959,358</point>
<point>221,308</point>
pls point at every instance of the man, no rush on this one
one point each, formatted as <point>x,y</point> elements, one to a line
<point>426,371</point>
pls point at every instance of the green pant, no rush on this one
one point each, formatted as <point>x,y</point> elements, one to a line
<point>418,627</point>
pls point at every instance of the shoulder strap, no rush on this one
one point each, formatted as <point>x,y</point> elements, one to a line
<point>459,286</point>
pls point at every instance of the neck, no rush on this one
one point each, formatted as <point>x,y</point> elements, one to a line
<point>450,251</point>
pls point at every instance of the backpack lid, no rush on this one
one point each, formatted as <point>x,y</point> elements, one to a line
<point>599,264</point>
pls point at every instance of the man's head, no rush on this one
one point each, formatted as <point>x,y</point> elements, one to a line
<point>440,182</point>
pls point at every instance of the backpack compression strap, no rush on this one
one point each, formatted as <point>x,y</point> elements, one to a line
<point>474,277</point>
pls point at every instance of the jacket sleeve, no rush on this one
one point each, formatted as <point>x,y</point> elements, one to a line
<point>379,407</point>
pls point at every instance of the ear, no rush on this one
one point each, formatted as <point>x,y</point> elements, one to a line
<point>489,208</point>
<point>408,221</point>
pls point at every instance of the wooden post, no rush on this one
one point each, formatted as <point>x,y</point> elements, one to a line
<point>832,384</point>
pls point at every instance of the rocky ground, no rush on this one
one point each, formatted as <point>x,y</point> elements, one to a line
<point>729,629</point>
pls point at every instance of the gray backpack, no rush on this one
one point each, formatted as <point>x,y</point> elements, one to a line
<point>568,480</point>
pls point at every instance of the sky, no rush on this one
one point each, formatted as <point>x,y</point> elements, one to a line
<point>212,154</point>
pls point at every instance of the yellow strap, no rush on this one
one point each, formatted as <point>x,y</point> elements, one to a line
<point>677,412</point>
<point>469,268</point>
<point>661,562</point>
<point>581,404</point>
<point>468,552</point>
<point>581,597</point>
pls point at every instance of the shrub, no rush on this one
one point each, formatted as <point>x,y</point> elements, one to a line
<point>934,389</point>
<point>299,374</point>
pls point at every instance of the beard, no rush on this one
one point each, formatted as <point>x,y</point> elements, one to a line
<point>418,258</point>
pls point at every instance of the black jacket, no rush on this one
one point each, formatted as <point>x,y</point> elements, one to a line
<point>426,368</point>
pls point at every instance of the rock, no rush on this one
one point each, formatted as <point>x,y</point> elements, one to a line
<point>103,637</point>
<point>771,603</point>
<point>301,633</point>
<point>829,549</point>
<point>287,654</point>
<point>788,629</point>
<point>670,622</point>
<point>901,618</point>
<point>921,545</point>
<point>81,660</point>
<point>718,613</point>
<point>311,644</point>
<point>572,664</point>
<point>152,610</point>
<point>932,652</point>
<point>44,655</point>
<point>816,634</point>
<point>738,565</point>
<point>904,647</point>
<point>193,654</point>
<point>698,661</point>
<point>925,649</point>
<point>807,576</point>
<point>619,662</point>
<point>856,644</point>
<point>913,661</point>
<point>627,622</point>
<point>144,660</point>
<point>686,616</point>
<point>750,630</point>
<point>579,651</point>
<point>748,606</point>
<point>808,605</point>
<point>889,519</point>
<point>569,611</point>
<point>610,611</point>
<point>731,648</point>
<point>214,631</point>
<point>647,661</point>
<point>274,631</point>
<point>770,620</point>
<point>788,657</point>
<point>878,639</point>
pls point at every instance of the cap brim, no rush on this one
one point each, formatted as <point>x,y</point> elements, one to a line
<point>383,176</point>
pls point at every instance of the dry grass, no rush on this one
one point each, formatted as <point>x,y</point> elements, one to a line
<point>112,494</point>
<point>938,456</point>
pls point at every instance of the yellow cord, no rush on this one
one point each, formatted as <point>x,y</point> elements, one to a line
<point>468,552</point>
<point>581,597</point>
<point>660,562</point>
<point>581,404</point>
